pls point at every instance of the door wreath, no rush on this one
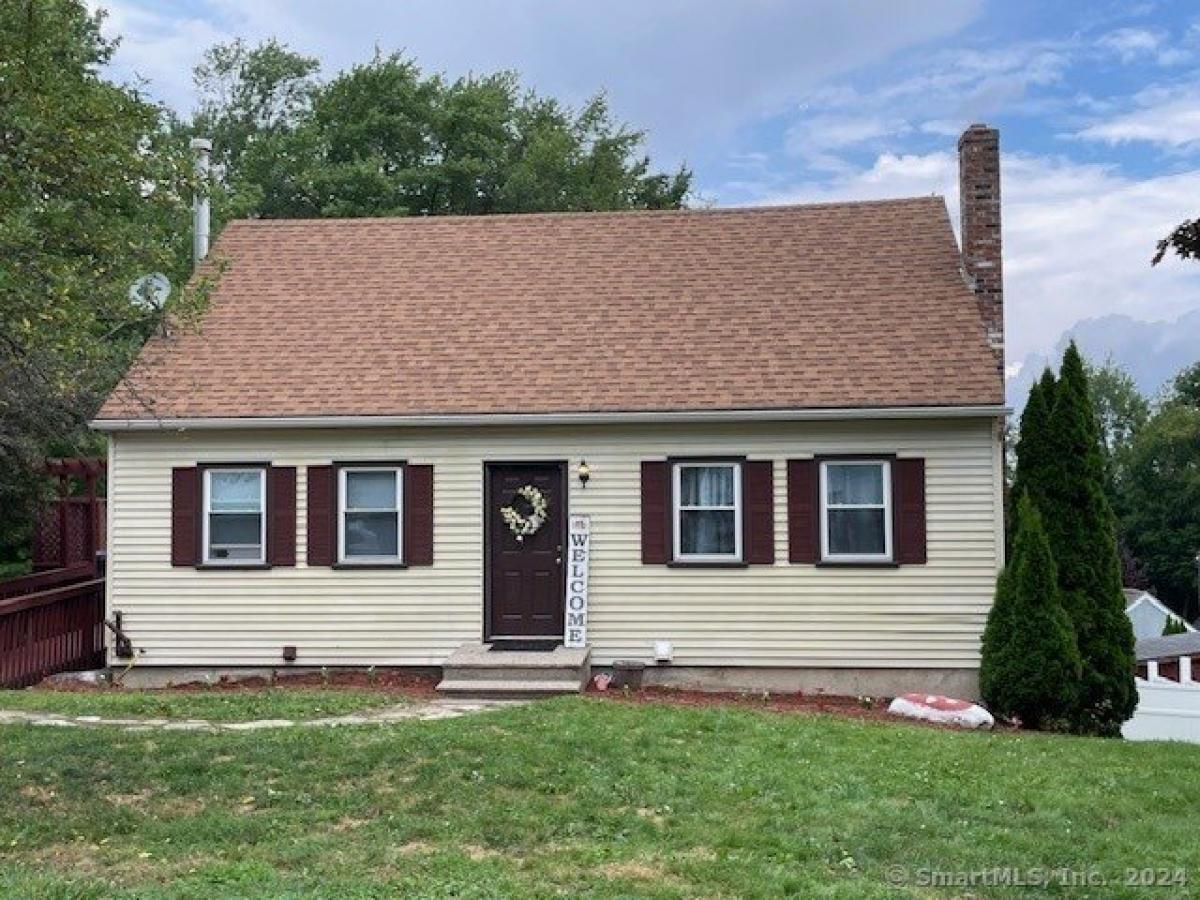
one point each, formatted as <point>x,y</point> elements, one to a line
<point>527,523</point>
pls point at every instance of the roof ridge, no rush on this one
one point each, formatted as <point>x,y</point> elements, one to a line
<point>599,214</point>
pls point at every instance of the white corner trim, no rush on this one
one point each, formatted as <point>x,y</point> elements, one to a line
<point>563,418</point>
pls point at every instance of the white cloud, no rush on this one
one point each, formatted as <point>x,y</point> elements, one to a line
<point>157,50</point>
<point>690,71</point>
<point>1078,238</point>
<point>1130,43</point>
<point>1168,116</point>
<point>815,138</point>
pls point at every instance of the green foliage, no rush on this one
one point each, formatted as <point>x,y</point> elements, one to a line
<point>1161,504</point>
<point>92,195</point>
<point>1184,242</point>
<point>1174,626</point>
<point>1033,449</point>
<point>1030,668</point>
<point>1122,412</point>
<point>1081,528</point>
<point>1185,388</point>
<point>383,139</point>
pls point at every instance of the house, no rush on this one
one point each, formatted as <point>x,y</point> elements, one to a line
<point>783,426</point>
<point>1148,614</point>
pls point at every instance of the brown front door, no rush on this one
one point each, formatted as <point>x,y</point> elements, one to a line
<point>523,579</point>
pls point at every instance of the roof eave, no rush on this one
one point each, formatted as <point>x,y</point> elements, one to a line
<point>810,414</point>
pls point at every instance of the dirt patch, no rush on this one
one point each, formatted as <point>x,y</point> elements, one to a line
<point>476,853</point>
<point>349,823</point>
<point>136,800</point>
<point>639,871</point>
<point>181,806</point>
<point>37,794</point>
<point>78,859</point>
<point>404,684</point>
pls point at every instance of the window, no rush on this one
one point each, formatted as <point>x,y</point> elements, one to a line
<point>856,511</point>
<point>369,514</point>
<point>708,512</point>
<point>235,521</point>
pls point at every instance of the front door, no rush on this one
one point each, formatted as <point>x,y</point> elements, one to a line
<point>523,572</point>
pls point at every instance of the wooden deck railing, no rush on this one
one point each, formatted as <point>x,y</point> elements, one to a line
<point>43,581</point>
<point>58,629</point>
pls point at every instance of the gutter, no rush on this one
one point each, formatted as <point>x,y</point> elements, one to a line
<point>561,418</point>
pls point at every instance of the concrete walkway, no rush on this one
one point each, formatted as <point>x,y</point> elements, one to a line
<point>424,712</point>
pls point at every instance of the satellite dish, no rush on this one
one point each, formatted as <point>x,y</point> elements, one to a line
<point>150,291</point>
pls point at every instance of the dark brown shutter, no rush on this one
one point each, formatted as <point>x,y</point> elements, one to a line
<point>418,515</point>
<point>185,516</point>
<point>908,497</point>
<point>656,500</point>
<point>758,512</point>
<point>804,511</point>
<point>321,500</point>
<point>281,516</point>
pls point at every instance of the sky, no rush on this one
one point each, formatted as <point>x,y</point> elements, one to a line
<point>770,101</point>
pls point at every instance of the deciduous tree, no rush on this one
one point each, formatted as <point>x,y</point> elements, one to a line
<point>385,139</point>
<point>93,194</point>
<point>1161,505</point>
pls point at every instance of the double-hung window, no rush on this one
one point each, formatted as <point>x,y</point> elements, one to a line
<point>707,511</point>
<point>369,514</point>
<point>856,510</point>
<point>235,520</point>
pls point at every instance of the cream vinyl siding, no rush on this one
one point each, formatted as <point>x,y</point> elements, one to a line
<point>781,615</point>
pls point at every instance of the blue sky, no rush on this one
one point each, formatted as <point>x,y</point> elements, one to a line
<point>769,101</point>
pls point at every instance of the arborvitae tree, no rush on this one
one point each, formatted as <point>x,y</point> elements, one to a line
<point>1032,452</point>
<point>1173,626</point>
<point>1030,668</point>
<point>1081,529</point>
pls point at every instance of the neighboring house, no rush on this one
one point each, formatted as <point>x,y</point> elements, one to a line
<point>1169,646</point>
<point>1168,689</point>
<point>790,419</point>
<point>1148,614</point>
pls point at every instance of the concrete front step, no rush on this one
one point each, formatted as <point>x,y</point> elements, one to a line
<point>507,688</point>
<point>477,670</point>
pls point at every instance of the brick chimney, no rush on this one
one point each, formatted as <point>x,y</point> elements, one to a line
<point>979,204</point>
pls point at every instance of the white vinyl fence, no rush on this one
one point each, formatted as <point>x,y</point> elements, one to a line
<point>1168,709</point>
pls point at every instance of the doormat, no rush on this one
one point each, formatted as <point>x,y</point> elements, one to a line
<point>534,645</point>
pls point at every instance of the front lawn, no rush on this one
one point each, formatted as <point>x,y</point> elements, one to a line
<point>216,705</point>
<point>582,797</point>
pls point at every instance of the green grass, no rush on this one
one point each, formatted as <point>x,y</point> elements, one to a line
<point>215,705</point>
<point>581,797</point>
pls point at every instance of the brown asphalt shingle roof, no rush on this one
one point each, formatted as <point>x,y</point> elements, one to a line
<point>832,305</point>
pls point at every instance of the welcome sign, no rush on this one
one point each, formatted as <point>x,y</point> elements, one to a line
<point>579,551</point>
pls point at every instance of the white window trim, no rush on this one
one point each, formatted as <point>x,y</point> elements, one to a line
<point>888,555</point>
<point>677,554</point>
<point>343,559</point>
<point>262,517</point>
